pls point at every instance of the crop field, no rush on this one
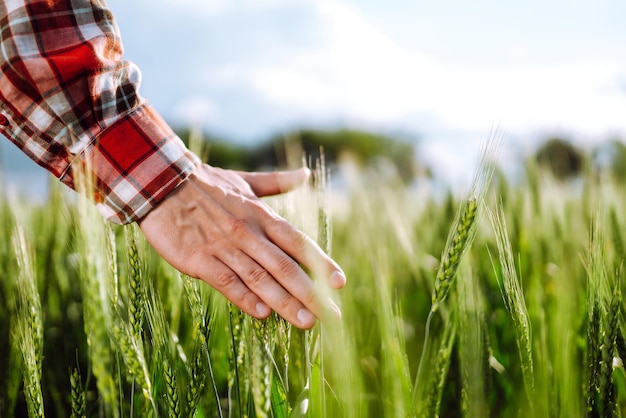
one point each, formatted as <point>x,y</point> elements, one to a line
<point>503,301</point>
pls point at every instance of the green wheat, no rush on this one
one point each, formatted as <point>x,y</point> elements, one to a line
<point>513,295</point>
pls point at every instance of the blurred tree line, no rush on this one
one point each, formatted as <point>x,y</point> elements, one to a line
<point>566,161</point>
<point>556,155</point>
<point>363,147</point>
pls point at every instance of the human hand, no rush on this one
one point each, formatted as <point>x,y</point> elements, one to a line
<point>216,228</point>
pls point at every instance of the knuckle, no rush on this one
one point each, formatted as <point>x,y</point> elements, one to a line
<point>225,280</point>
<point>279,225</point>
<point>258,209</point>
<point>300,241</point>
<point>285,302</point>
<point>249,299</point>
<point>195,265</point>
<point>239,227</point>
<point>256,276</point>
<point>287,267</point>
<point>280,222</point>
<point>309,297</point>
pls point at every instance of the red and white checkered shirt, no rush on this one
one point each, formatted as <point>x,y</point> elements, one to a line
<point>68,99</point>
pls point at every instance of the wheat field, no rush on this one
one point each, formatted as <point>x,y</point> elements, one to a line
<point>504,301</point>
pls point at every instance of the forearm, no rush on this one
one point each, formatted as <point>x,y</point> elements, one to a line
<point>68,99</point>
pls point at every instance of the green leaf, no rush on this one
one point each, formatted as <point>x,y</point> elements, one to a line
<point>279,398</point>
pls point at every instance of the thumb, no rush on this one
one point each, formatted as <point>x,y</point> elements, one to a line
<point>276,182</point>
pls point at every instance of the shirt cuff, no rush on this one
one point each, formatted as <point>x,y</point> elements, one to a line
<point>135,164</point>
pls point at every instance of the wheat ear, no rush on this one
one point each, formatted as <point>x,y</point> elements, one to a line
<point>513,295</point>
<point>30,325</point>
<point>79,405</point>
<point>460,239</point>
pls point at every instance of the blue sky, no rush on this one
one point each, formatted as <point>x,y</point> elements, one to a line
<point>444,72</point>
<point>246,67</point>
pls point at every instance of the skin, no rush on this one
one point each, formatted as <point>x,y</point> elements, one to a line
<point>216,228</point>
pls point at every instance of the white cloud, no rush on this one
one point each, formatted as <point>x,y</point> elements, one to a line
<point>357,72</point>
<point>208,7</point>
<point>195,111</point>
<point>214,7</point>
<point>352,69</point>
<point>330,60</point>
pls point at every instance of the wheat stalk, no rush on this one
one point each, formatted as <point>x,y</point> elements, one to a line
<point>32,369</point>
<point>29,325</point>
<point>513,295</point>
<point>260,343</point>
<point>603,309</point>
<point>198,369</point>
<point>463,231</point>
<point>133,356</point>
<point>203,308</point>
<point>90,240</point>
<point>111,253</point>
<point>608,401</point>
<point>135,282</point>
<point>618,241</point>
<point>155,316</point>
<point>471,339</point>
<point>592,359</point>
<point>460,239</point>
<point>441,365</point>
<point>196,373</point>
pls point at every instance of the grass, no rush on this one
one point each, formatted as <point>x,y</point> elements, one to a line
<point>515,314</point>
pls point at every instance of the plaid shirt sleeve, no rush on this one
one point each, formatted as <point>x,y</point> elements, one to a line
<point>68,100</point>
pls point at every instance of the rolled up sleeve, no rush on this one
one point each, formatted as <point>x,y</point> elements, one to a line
<point>69,100</point>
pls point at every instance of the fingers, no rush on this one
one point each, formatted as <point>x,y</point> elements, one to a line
<point>285,298</point>
<point>273,272</point>
<point>267,184</point>
<point>305,251</point>
<point>276,278</point>
<point>228,283</point>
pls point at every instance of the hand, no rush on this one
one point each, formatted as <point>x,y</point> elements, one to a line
<point>214,227</point>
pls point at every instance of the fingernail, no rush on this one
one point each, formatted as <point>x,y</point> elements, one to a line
<point>337,279</point>
<point>262,309</point>
<point>305,317</point>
